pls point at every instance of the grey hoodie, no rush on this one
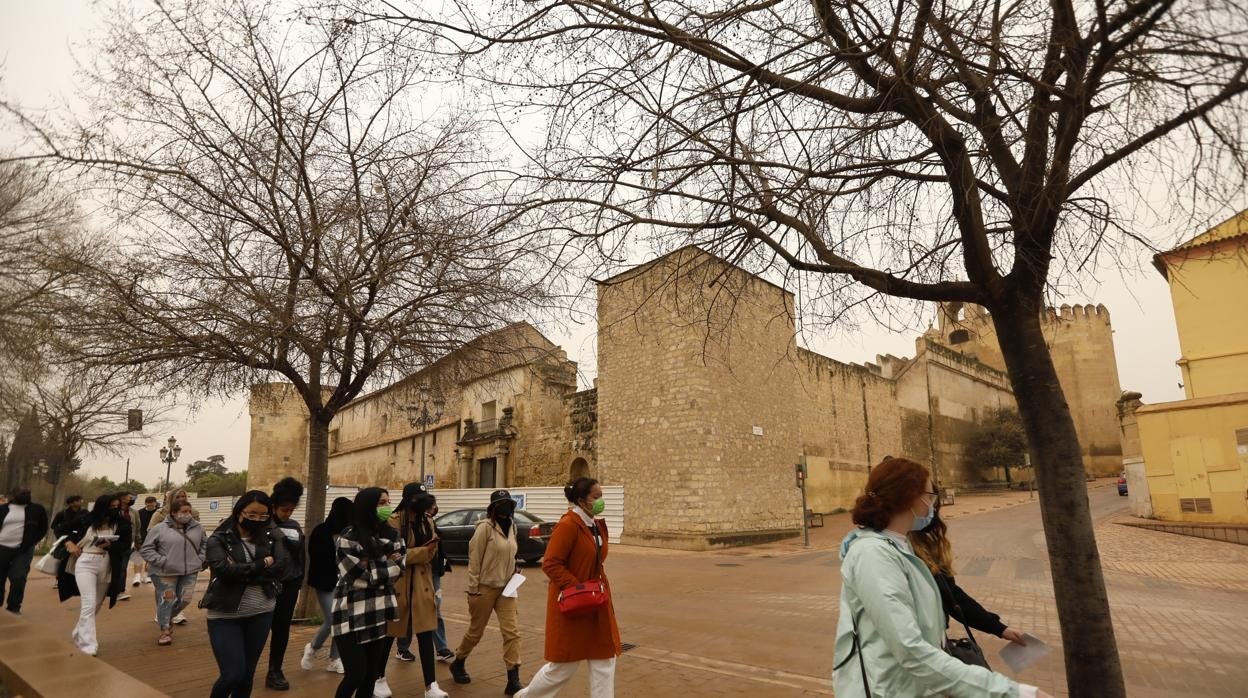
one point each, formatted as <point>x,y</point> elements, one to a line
<point>174,552</point>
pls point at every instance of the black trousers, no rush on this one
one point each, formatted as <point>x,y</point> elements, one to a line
<point>361,664</point>
<point>14,568</point>
<point>428,659</point>
<point>282,616</point>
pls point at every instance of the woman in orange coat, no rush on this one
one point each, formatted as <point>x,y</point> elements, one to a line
<point>576,553</point>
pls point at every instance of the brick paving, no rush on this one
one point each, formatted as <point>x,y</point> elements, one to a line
<point>759,622</point>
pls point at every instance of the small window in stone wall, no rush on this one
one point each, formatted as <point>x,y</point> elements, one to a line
<point>1241,446</point>
<point>959,337</point>
<point>333,441</point>
<point>385,423</point>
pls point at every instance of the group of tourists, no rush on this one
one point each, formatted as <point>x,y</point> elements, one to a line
<point>386,590</point>
<point>376,567</point>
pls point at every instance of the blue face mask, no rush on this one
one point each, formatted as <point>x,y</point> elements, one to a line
<point>922,522</point>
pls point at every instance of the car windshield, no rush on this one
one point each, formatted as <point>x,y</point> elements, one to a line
<point>525,517</point>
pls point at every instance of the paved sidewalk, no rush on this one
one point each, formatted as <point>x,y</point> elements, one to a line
<point>759,622</point>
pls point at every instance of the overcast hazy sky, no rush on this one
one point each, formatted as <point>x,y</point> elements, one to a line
<point>36,42</point>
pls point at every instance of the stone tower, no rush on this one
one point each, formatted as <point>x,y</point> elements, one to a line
<point>1081,340</point>
<point>279,435</point>
<point>696,382</point>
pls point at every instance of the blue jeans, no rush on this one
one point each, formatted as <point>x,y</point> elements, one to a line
<point>172,595</point>
<point>237,644</point>
<point>326,600</point>
<point>439,635</point>
<point>14,568</point>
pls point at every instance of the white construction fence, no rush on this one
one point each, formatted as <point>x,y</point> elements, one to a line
<point>546,503</point>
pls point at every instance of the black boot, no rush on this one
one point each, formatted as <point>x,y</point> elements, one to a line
<point>276,681</point>
<point>513,681</point>
<point>459,671</point>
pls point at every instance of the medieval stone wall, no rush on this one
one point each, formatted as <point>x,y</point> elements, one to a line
<point>279,435</point>
<point>944,395</point>
<point>565,448</point>
<point>696,390</point>
<point>849,420</point>
<point>1081,341</point>
<point>850,414</point>
<point>702,407</point>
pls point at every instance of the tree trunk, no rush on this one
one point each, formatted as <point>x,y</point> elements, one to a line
<point>314,492</point>
<point>318,471</point>
<point>1090,650</point>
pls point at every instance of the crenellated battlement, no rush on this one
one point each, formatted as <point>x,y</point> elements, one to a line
<point>1076,313</point>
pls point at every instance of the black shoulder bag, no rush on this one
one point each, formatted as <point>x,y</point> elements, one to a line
<point>964,649</point>
<point>862,664</point>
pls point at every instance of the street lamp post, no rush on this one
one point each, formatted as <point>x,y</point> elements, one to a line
<point>169,455</point>
<point>424,413</point>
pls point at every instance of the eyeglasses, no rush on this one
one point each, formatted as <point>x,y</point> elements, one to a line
<point>255,517</point>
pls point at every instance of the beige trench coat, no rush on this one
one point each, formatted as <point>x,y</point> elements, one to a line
<point>414,589</point>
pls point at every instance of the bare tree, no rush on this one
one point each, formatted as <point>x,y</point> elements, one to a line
<point>37,220</point>
<point>929,151</point>
<point>83,412</point>
<point>286,210</point>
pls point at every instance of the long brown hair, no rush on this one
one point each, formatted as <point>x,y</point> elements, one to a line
<point>932,546</point>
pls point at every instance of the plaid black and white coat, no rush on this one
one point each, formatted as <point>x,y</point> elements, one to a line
<point>364,600</point>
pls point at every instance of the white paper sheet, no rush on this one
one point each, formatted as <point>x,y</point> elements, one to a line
<point>512,590</point>
<point>1019,657</point>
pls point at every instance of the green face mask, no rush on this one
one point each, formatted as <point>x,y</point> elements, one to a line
<point>600,505</point>
<point>383,513</point>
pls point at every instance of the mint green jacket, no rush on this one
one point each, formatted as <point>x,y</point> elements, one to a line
<point>901,628</point>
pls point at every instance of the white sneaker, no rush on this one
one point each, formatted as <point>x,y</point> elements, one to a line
<point>138,579</point>
<point>180,619</point>
<point>381,689</point>
<point>124,597</point>
<point>147,579</point>
<point>335,665</point>
<point>435,692</point>
<point>309,653</point>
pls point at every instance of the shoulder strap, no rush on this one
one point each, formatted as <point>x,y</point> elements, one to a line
<point>856,650</point>
<point>940,580</point>
<point>594,533</point>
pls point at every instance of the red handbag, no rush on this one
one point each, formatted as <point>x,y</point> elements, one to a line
<point>588,597</point>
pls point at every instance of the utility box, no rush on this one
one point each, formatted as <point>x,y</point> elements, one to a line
<point>946,497</point>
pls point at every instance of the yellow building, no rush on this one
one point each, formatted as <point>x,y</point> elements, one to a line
<point>1196,450</point>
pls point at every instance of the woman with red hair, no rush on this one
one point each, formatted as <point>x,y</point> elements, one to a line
<point>889,638</point>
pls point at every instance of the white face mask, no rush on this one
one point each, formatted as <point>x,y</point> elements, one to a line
<point>183,518</point>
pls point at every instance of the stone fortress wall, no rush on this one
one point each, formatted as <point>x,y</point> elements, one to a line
<point>703,405</point>
<point>1081,339</point>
